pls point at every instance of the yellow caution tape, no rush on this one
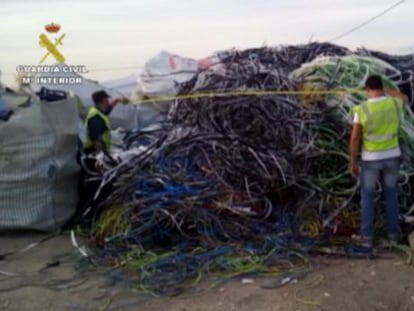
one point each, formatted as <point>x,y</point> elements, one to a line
<point>250,93</point>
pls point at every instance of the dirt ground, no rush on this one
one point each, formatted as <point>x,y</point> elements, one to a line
<point>339,284</point>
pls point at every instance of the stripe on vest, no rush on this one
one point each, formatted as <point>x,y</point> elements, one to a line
<point>379,138</point>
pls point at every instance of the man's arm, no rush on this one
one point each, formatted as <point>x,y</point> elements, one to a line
<point>114,102</point>
<point>354,145</point>
<point>397,94</point>
<point>355,142</point>
<point>117,101</point>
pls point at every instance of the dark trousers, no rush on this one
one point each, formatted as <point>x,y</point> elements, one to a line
<point>88,185</point>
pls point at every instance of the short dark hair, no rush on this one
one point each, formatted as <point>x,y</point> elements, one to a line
<point>98,96</point>
<point>374,82</point>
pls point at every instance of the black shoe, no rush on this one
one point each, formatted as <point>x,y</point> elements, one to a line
<point>5,115</point>
<point>358,251</point>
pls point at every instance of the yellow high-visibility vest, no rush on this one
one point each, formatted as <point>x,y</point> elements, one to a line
<point>106,137</point>
<point>380,122</point>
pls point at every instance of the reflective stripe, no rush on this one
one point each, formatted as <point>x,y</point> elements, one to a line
<point>378,138</point>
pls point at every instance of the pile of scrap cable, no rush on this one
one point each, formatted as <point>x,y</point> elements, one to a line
<point>249,175</point>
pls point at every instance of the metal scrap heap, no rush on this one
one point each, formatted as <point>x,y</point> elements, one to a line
<point>245,182</point>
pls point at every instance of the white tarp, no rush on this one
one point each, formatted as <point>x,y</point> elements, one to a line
<point>38,169</point>
<point>163,72</point>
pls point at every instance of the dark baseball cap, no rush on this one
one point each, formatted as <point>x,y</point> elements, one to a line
<point>98,96</point>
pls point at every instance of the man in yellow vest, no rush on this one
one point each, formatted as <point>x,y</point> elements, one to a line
<point>98,138</point>
<point>98,124</point>
<point>375,131</point>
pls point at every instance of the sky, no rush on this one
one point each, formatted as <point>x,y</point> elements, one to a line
<point>107,34</point>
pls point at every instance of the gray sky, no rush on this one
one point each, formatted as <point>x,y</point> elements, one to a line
<point>109,33</point>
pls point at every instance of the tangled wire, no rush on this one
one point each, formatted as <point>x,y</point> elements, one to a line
<point>235,185</point>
